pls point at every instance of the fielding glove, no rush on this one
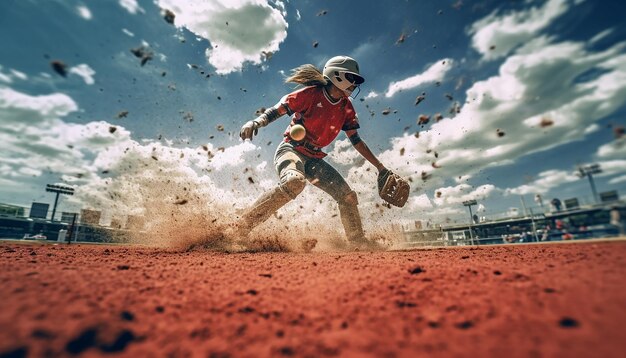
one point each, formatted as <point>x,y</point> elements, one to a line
<point>392,188</point>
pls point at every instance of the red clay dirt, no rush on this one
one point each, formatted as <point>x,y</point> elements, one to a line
<point>518,300</point>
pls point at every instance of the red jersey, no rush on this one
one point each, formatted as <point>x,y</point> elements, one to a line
<point>322,118</point>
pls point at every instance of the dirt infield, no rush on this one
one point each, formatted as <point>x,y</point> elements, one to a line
<point>517,300</point>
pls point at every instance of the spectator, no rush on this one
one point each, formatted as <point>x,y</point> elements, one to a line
<point>559,224</point>
<point>523,237</point>
<point>616,220</point>
<point>546,233</point>
<point>562,226</point>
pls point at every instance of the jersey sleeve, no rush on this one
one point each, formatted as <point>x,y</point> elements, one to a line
<point>297,101</point>
<point>352,121</point>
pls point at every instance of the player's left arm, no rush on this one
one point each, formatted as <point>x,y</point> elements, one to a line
<point>363,149</point>
<point>391,187</point>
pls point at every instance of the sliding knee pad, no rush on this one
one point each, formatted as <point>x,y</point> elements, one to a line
<point>292,182</point>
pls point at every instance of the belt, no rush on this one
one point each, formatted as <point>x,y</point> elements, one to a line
<point>310,146</point>
<point>304,144</point>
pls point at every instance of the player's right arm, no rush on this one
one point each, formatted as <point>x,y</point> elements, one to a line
<point>251,128</point>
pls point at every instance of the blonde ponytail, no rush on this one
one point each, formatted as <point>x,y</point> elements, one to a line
<point>307,75</point>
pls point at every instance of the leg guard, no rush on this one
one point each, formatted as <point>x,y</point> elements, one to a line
<point>263,208</point>
<point>350,218</point>
<point>291,184</point>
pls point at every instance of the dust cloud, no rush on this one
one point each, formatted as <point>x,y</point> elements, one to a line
<point>185,205</point>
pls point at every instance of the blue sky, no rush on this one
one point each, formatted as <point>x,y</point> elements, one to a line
<point>509,67</point>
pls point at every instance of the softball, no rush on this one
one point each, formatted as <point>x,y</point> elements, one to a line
<point>297,132</point>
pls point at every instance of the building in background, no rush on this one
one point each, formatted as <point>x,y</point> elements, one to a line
<point>68,217</point>
<point>571,204</point>
<point>90,217</point>
<point>39,210</point>
<point>11,210</point>
<point>609,196</point>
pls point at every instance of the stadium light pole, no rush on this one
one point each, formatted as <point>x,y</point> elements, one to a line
<point>58,189</point>
<point>469,204</point>
<point>588,171</point>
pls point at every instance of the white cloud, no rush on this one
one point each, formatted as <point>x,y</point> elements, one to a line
<point>128,32</point>
<point>226,24</point>
<point>25,171</point>
<point>614,149</point>
<point>35,140</point>
<point>462,178</point>
<point>514,103</point>
<point>612,167</point>
<point>436,72</point>
<point>20,75</point>
<point>5,78</point>
<point>548,180</point>
<point>551,179</point>
<point>83,11</point>
<point>233,155</point>
<point>92,136</point>
<point>497,35</point>
<point>131,6</point>
<point>13,74</point>
<point>618,180</point>
<point>371,94</point>
<point>420,202</point>
<point>17,107</point>
<point>343,152</point>
<point>85,72</point>
<point>601,36</point>
<point>458,194</point>
<point>280,6</point>
<point>592,128</point>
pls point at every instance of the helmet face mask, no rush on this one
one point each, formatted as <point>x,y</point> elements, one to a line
<point>343,72</point>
